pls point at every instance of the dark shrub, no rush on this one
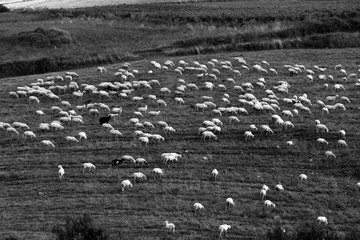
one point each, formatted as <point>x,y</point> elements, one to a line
<point>4,9</point>
<point>79,229</point>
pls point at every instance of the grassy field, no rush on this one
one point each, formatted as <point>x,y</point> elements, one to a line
<point>33,200</point>
<point>108,34</point>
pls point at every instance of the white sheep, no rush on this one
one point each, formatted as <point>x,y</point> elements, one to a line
<point>61,172</point>
<point>198,206</point>
<point>214,173</point>
<point>223,229</point>
<point>170,226</point>
<point>342,134</point>
<point>33,99</point>
<point>248,135</point>
<point>321,141</point>
<point>322,220</point>
<point>139,161</point>
<point>82,135</point>
<point>28,134</point>
<point>125,184</point>
<point>234,118</point>
<point>263,192</point>
<point>70,139</point>
<point>279,187</point>
<point>229,203</point>
<point>341,143</point>
<point>208,134</point>
<point>302,177</point>
<point>47,143</point>
<point>157,172</point>
<point>321,128</point>
<point>268,203</point>
<point>90,166</point>
<point>138,175</point>
<point>357,186</point>
<point>330,154</point>
<point>40,113</point>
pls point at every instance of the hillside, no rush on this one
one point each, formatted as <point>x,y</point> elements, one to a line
<point>34,201</point>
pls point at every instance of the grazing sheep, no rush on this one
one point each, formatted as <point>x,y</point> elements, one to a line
<point>47,143</point>
<point>90,166</point>
<point>139,161</point>
<point>302,177</point>
<point>116,162</point>
<point>248,134</point>
<point>234,118</point>
<point>61,172</point>
<point>279,187</point>
<point>103,120</point>
<point>341,143</point>
<point>138,175</point>
<point>229,203</point>
<point>198,206</point>
<point>268,203</point>
<point>342,134</point>
<point>125,184</point>
<point>33,99</point>
<point>223,229</point>
<point>82,135</point>
<point>321,141</point>
<point>157,172</point>
<point>40,113</point>
<point>28,134</point>
<point>128,158</point>
<point>321,128</point>
<point>71,139</point>
<point>329,154</point>
<point>215,173</point>
<point>170,226</point>
<point>208,134</point>
<point>263,192</point>
<point>322,220</point>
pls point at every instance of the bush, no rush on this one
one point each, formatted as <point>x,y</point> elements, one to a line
<point>79,229</point>
<point>4,9</point>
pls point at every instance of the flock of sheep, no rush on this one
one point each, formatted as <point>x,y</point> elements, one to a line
<point>206,77</point>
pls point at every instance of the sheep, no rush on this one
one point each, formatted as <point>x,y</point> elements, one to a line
<point>321,128</point>
<point>233,118</point>
<point>279,187</point>
<point>248,134</point>
<point>302,177</point>
<point>201,106</point>
<point>208,134</point>
<point>47,143</point>
<point>329,154</point>
<point>116,162</point>
<point>170,226</point>
<point>215,173</point>
<point>157,172</point>
<point>90,166</point>
<point>229,203</point>
<point>198,206</point>
<point>342,134</point>
<point>144,139</point>
<point>139,161</point>
<point>82,135</point>
<point>128,158</point>
<point>268,203</point>
<point>71,139</point>
<point>179,100</point>
<point>263,192</point>
<point>357,186</point>
<point>28,134</point>
<point>341,143</point>
<point>138,175</point>
<point>223,229</point>
<point>106,119</point>
<point>154,113</point>
<point>40,113</point>
<point>125,184</point>
<point>33,99</point>
<point>61,172</point>
<point>115,133</point>
<point>322,220</point>
<point>321,141</point>
<point>266,188</point>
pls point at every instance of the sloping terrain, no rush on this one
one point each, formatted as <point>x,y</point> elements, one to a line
<point>33,200</point>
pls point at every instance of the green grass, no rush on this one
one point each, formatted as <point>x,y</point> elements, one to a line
<point>34,201</point>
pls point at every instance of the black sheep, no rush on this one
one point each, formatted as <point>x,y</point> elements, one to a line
<point>116,162</point>
<point>103,120</point>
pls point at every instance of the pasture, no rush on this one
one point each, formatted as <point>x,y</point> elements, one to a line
<point>33,200</point>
